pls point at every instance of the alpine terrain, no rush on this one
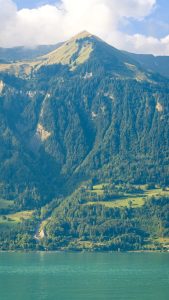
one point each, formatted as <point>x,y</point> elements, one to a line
<point>84,148</point>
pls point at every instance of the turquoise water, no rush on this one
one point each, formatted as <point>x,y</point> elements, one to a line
<point>84,276</point>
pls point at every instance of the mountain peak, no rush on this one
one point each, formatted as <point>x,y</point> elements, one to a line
<point>78,50</point>
<point>81,35</point>
<point>73,52</point>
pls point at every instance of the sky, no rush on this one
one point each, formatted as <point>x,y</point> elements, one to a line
<point>140,26</point>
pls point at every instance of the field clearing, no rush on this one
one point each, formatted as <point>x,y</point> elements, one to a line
<point>5,203</point>
<point>157,192</point>
<point>6,221</point>
<point>125,202</point>
<point>23,215</point>
<point>100,186</point>
<point>97,191</point>
<point>128,200</point>
<point>16,218</point>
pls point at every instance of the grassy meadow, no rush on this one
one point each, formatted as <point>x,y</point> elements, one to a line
<point>126,199</point>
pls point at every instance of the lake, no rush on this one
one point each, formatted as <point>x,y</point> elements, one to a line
<point>84,276</point>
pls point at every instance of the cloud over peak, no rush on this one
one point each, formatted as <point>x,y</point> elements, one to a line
<point>49,24</point>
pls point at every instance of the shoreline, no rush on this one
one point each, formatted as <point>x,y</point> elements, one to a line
<point>84,251</point>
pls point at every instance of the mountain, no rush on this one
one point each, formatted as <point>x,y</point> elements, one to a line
<point>157,64</point>
<point>22,53</point>
<point>82,114</point>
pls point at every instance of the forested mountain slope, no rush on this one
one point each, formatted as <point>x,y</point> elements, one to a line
<point>84,110</point>
<point>83,114</point>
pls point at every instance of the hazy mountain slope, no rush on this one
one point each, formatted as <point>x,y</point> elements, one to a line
<point>24,53</point>
<point>157,64</point>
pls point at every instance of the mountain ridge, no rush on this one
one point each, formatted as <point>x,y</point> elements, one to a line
<point>157,64</point>
<point>73,52</point>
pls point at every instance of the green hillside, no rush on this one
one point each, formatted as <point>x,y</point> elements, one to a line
<point>85,112</point>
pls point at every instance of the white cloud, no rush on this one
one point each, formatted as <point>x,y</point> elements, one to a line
<point>50,24</point>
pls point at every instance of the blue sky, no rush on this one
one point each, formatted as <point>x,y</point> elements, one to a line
<point>140,26</point>
<point>156,24</point>
<point>32,3</point>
